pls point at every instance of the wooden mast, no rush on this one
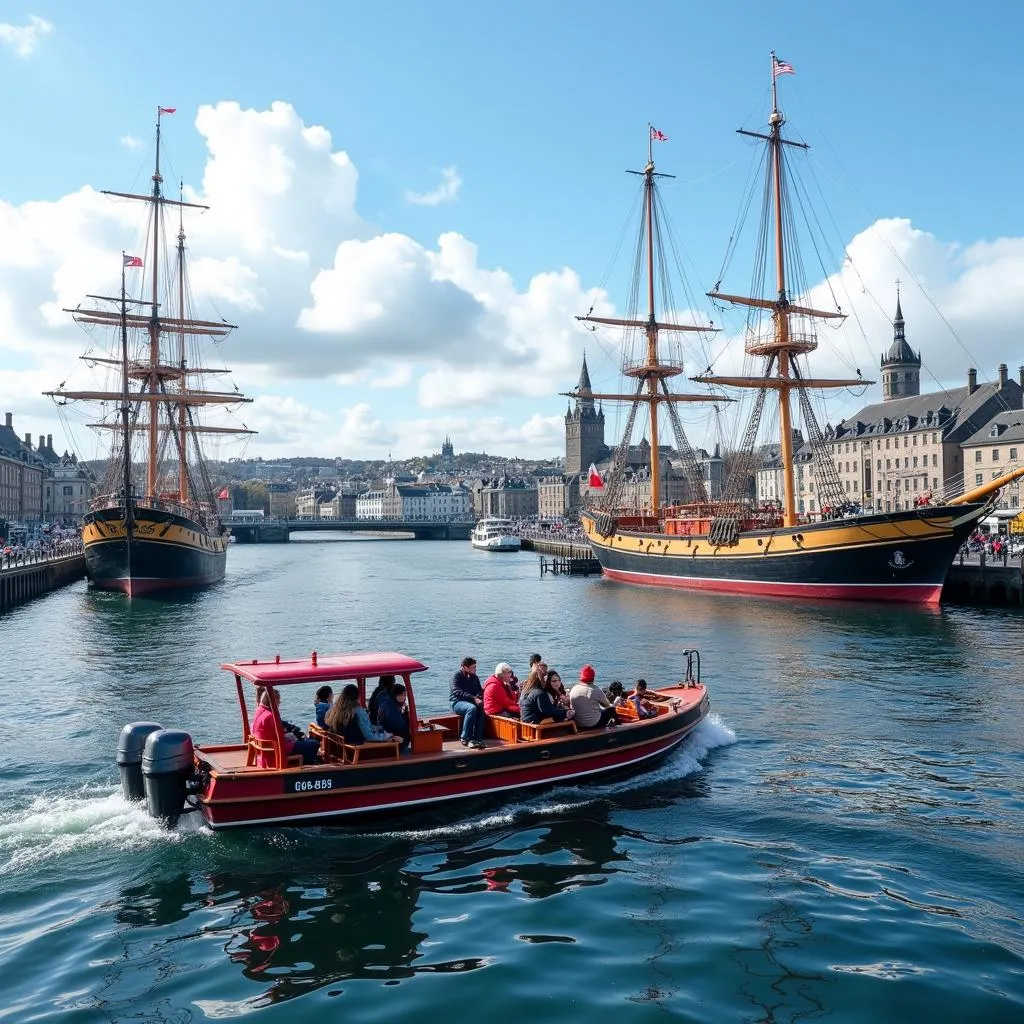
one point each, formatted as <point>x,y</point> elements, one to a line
<point>153,383</point>
<point>182,407</point>
<point>783,345</point>
<point>652,372</point>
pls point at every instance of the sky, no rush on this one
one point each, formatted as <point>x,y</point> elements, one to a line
<point>410,202</point>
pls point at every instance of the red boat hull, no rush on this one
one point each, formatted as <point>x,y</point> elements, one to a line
<point>321,793</point>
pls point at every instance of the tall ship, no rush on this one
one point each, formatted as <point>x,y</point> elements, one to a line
<point>734,544</point>
<point>153,525</point>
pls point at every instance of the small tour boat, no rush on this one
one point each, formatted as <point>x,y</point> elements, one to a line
<point>494,535</point>
<point>228,786</point>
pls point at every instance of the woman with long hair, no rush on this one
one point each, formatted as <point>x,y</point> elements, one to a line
<point>349,719</point>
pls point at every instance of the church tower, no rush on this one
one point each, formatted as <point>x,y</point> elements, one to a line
<point>901,368</point>
<point>447,461</point>
<point>584,429</point>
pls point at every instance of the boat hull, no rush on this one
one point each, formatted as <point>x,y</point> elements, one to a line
<point>497,544</point>
<point>902,557</point>
<point>165,551</point>
<point>349,793</point>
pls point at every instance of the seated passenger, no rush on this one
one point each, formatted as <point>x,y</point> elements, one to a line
<point>536,704</point>
<point>265,729</point>
<point>593,711</point>
<point>498,697</point>
<point>349,719</point>
<point>616,694</point>
<point>638,698</point>
<point>392,713</point>
<point>384,685</point>
<point>554,685</point>
<point>322,700</point>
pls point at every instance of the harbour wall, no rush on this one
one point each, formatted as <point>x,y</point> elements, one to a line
<point>21,581</point>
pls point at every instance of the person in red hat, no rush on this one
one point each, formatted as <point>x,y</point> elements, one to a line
<point>590,706</point>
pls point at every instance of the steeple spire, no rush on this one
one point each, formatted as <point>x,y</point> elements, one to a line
<point>584,385</point>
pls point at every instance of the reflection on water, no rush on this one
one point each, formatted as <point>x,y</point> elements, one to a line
<point>344,914</point>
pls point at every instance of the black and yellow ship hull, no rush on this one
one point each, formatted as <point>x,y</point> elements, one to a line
<point>162,550</point>
<point>899,556</point>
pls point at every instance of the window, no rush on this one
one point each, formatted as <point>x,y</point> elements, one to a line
<point>887,444</point>
<point>915,483</point>
<point>915,440</point>
<point>879,465</point>
<point>847,483</point>
<point>977,455</point>
<point>995,454</point>
<point>855,465</point>
<point>978,479</point>
<point>935,438</point>
<point>906,462</point>
<point>906,483</point>
<point>935,483</point>
<point>935,460</point>
<point>1013,454</point>
<point>69,491</point>
<point>854,486</point>
<point>888,464</point>
<point>915,462</point>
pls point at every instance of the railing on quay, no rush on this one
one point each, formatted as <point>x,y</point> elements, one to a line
<point>19,559</point>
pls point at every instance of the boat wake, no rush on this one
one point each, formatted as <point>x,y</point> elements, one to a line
<point>688,759</point>
<point>57,825</point>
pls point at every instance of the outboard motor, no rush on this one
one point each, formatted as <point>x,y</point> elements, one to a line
<point>167,766</point>
<point>130,745</point>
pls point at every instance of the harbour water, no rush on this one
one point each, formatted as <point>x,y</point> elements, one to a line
<point>843,840</point>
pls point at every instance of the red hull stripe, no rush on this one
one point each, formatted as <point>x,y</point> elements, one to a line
<point>136,587</point>
<point>441,790</point>
<point>913,593</point>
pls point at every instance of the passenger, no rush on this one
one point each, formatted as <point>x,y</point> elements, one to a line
<point>555,686</point>
<point>499,699</point>
<point>263,729</point>
<point>467,700</point>
<point>349,719</point>
<point>616,694</point>
<point>593,711</point>
<point>322,704</point>
<point>536,704</point>
<point>638,698</point>
<point>384,685</point>
<point>392,713</point>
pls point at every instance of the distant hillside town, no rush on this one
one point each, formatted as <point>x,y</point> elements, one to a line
<point>889,456</point>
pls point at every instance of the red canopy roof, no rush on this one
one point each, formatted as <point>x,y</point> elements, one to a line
<point>325,668</point>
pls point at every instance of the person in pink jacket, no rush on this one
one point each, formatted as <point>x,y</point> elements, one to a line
<point>498,697</point>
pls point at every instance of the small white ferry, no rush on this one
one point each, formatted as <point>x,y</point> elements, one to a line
<point>494,535</point>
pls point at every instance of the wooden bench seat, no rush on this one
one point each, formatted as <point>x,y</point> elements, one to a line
<point>334,750</point>
<point>501,728</point>
<point>268,748</point>
<point>545,730</point>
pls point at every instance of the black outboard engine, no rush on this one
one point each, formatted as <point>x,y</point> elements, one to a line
<point>130,745</point>
<point>167,766</point>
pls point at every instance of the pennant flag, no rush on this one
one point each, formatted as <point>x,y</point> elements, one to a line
<point>782,68</point>
<point>167,110</point>
<point>595,480</point>
<point>132,261</point>
<point>223,496</point>
<point>657,136</point>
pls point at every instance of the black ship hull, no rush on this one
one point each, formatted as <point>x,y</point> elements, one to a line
<point>163,550</point>
<point>902,556</point>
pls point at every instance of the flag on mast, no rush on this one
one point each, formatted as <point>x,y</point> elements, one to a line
<point>224,495</point>
<point>657,136</point>
<point>132,261</point>
<point>167,110</point>
<point>782,68</point>
<point>594,480</point>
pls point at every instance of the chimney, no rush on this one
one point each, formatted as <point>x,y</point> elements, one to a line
<point>972,381</point>
<point>1020,376</point>
<point>1003,375</point>
<point>49,441</point>
<point>9,417</point>
<point>28,440</point>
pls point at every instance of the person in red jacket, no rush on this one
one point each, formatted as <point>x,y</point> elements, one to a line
<point>498,698</point>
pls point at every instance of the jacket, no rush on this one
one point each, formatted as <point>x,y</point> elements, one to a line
<point>497,697</point>
<point>465,687</point>
<point>538,705</point>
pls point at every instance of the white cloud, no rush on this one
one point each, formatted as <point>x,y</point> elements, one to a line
<point>23,39</point>
<point>404,341</point>
<point>131,142</point>
<point>446,192</point>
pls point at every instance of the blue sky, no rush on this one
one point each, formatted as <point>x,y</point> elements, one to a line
<point>529,112</point>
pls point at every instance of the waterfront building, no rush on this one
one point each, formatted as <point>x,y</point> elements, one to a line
<point>68,486</point>
<point>995,449</point>
<point>282,500</point>
<point>506,498</point>
<point>584,429</point>
<point>21,477</point>
<point>370,504</point>
<point>308,501</point>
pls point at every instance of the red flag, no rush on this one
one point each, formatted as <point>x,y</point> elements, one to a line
<point>167,110</point>
<point>132,261</point>
<point>595,480</point>
<point>657,136</point>
<point>223,496</point>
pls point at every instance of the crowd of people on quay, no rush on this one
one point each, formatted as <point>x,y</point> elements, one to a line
<point>19,549</point>
<point>541,697</point>
<point>998,546</point>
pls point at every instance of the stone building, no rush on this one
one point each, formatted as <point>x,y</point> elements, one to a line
<point>994,450</point>
<point>901,366</point>
<point>506,498</point>
<point>584,429</point>
<point>21,477</point>
<point>67,485</point>
<point>282,500</point>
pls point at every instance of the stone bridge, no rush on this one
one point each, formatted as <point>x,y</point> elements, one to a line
<point>250,530</point>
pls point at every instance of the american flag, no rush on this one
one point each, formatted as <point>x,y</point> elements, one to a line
<point>782,68</point>
<point>658,136</point>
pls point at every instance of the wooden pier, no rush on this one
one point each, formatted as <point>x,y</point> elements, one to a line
<point>570,566</point>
